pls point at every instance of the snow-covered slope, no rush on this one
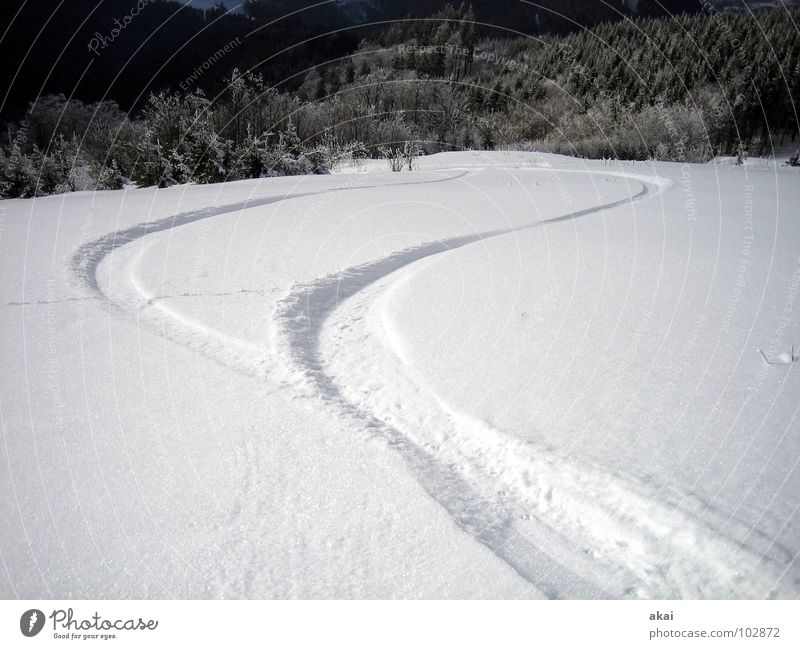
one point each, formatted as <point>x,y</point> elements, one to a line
<point>502,375</point>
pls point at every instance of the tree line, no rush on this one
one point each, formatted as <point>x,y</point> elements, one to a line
<point>687,88</point>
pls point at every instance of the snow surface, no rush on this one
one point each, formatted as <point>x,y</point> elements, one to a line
<point>501,375</point>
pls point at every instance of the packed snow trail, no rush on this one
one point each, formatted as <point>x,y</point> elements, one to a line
<point>570,528</point>
<point>137,468</point>
<point>244,356</point>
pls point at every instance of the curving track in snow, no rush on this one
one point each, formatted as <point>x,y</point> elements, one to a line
<point>572,529</point>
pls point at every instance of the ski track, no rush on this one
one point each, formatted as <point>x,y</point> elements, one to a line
<point>570,528</point>
<point>617,536</point>
<point>152,310</point>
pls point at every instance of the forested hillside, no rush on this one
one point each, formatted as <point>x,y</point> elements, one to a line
<point>685,88</point>
<point>113,49</point>
<point>728,79</point>
<point>119,50</point>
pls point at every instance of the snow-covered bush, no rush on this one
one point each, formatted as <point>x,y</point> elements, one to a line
<point>315,161</point>
<point>252,159</point>
<point>335,154</point>
<point>394,157</point>
<point>179,143</point>
<point>206,157</point>
<point>403,157</point>
<point>17,175</point>
<point>154,163</point>
<point>110,177</point>
<point>411,152</point>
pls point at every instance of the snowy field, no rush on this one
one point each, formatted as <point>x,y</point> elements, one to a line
<point>502,375</point>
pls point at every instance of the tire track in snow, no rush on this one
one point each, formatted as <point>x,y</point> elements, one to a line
<point>572,529</point>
